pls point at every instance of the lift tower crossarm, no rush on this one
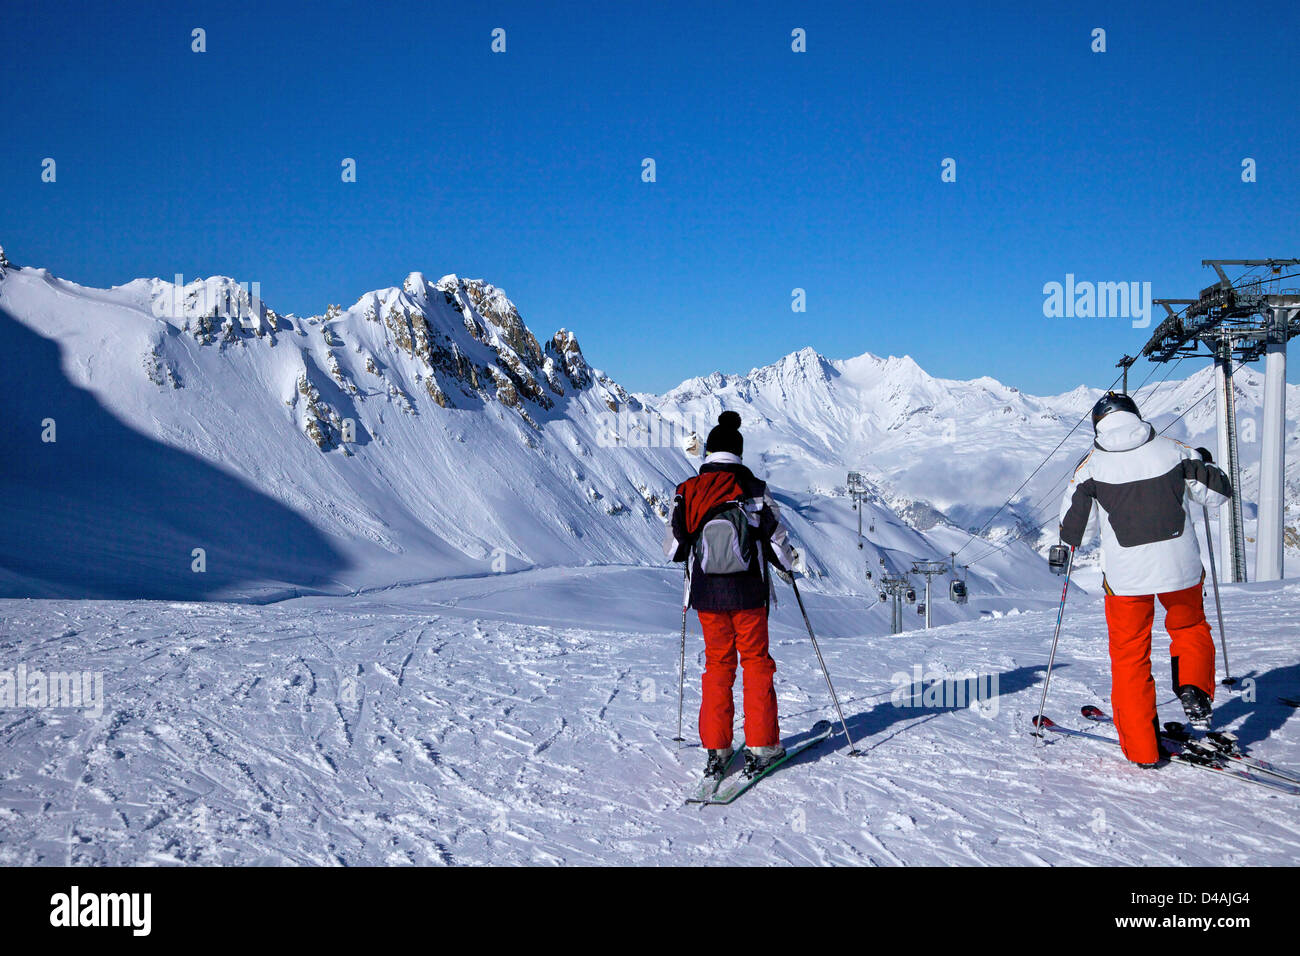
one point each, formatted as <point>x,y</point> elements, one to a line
<point>1170,303</point>
<point>1171,335</point>
<point>1249,263</point>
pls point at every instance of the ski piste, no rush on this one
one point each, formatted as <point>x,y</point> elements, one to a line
<point>1216,742</point>
<point>820,731</point>
<point>709,785</point>
<point>1188,757</point>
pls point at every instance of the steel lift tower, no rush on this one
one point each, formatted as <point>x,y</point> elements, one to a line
<point>893,587</point>
<point>1126,363</point>
<point>929,569</point>
<point>1232,535</point>
<point>1247,319</point>
<point>859,493</point>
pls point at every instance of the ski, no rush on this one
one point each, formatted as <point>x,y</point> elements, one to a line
<point>709,785</point>
<point>821,730</point>
<point>1048,724</point>
<point>1190,756</point>
<point>1289,701</point>
<point>1226,744</point>
<point>1215,742</point>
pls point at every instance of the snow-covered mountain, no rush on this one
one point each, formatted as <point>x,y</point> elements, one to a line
<point>943,452</point>
<point>426,433</point>
<point>422,432</point>
<point>188,441</point>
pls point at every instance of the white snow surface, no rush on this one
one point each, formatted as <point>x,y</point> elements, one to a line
<point>527,719</point>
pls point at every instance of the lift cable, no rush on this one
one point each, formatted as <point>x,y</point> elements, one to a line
<point>1081,420</point>
<point>1010,497</point>
<point>1052,514</point>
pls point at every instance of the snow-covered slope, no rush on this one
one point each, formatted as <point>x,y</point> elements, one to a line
<point>526,716</point>
<point>526,719</point>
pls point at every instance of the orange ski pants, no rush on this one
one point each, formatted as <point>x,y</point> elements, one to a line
<point>1133,691</point>
<point>725,633</point>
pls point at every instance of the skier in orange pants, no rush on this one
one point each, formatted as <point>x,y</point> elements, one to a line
<point>1139,485</point>
<point>728,529</point>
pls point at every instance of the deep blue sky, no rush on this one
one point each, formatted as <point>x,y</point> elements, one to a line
<point>776,170</point>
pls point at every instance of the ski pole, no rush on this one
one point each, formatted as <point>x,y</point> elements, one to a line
<point>681,664</point>
<point>1060,615</point>
<point>853,750</point>
<point>1229,680</point>
<point>681,681</point>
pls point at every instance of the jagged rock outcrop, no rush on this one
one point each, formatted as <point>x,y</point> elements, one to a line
<point>564,349</point>
<point>453,343</point>
<point>321,422</point>
<point>159,370</point>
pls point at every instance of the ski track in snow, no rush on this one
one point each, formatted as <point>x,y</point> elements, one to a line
<point>443,724</point>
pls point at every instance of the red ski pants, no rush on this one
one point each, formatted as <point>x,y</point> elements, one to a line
<point>1133,691</point>
<point>726,632</point>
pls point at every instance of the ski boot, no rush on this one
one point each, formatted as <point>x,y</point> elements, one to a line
<point>1162,758</point>
<point>1162,752</point>
<point>718,762</point>
<point>759,759</point>
<point>1197,706</point>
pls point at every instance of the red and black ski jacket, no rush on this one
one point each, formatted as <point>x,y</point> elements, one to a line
<point>700,498</point>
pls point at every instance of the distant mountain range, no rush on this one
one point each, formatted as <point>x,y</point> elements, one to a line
<point>425,431</point>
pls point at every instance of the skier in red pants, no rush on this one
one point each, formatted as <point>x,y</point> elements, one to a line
<point>728,529</point>
<point>1140,485</point>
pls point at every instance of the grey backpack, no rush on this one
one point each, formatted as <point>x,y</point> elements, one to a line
<point>726,542</point>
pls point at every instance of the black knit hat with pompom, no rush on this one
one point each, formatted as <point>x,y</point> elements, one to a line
<point>725,436</point>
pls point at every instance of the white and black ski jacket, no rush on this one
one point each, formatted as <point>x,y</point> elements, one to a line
<point>1139,486</point>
